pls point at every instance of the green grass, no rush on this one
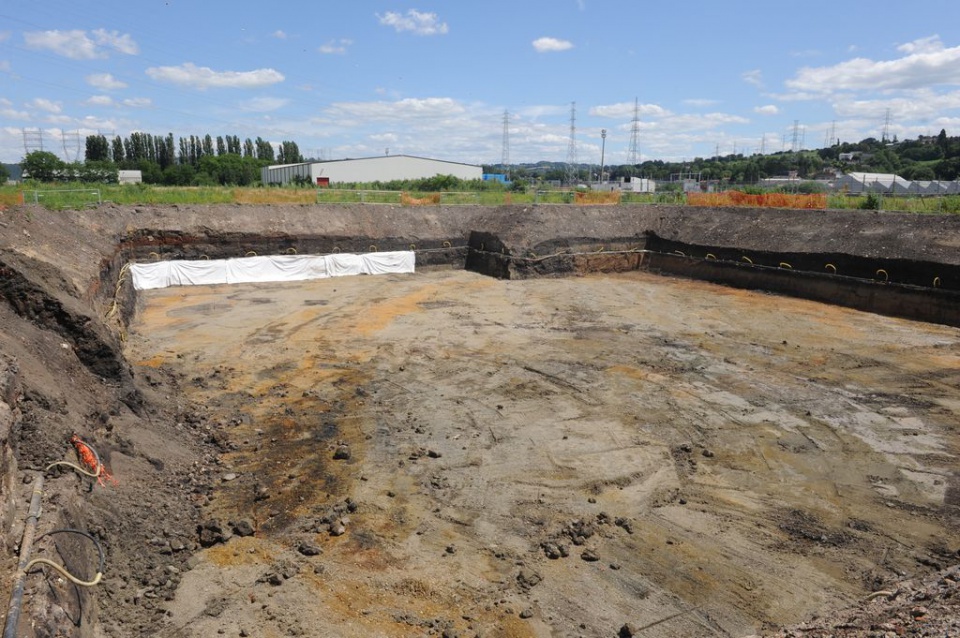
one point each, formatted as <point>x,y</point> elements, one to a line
<point>77,196</point>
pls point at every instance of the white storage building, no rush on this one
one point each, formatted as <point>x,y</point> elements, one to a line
<point>369,169</point>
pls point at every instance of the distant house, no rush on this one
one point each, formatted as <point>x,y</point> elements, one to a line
<point>638,185</point>
<point>855,156</point>
<point>130,177</point>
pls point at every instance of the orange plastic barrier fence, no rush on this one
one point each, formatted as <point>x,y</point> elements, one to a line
<point>597,197</point>
<point>767,200</point>
<point>10,199</point>
<point>430,200</point>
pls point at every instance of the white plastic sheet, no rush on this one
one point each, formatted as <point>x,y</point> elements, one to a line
<point>162,274</point>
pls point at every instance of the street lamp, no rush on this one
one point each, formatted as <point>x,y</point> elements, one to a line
<point>603,149</point>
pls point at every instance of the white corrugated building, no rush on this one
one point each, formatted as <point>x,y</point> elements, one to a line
<point>872,183</point>
<point>890,184</point>
<point>369,169</point>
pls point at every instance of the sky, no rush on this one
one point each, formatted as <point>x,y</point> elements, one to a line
<point>445,79</point>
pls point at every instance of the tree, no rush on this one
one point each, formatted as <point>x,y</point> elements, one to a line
<point>97,149</point>
<point>289,153</point>
<point>42,166</point>
<point>207,144</point>
<point>264,149</point>
<point>116,149</point>
<point>4,174</point>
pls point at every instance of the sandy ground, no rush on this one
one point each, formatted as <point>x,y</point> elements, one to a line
<point>553,457</point>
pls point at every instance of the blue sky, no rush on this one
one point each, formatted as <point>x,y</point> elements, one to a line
<point>434,79</point>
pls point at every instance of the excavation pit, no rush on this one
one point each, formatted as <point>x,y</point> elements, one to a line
<point>569,446</point>
<point>747,458</point>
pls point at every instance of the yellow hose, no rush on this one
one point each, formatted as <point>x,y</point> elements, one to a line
<point>60,568</point>
<point>79,469</point>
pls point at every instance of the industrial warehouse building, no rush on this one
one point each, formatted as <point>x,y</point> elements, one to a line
<point>370,169</point>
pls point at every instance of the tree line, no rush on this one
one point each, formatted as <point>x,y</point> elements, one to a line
<point>206,160</point>
<point>163,159</point>
<point>924,158</point>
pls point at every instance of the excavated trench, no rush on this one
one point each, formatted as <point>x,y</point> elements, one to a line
<point>35,291</point>
<point>910,289</point>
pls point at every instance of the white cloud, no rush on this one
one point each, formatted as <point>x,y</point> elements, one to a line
<point>766,109</point>
<point>105,82</point>
<point>388,138</point>
<point>930,44</point>
<point>338,47</point>
<point>202,77</point>
<point>4,36</point>
<point>400,110</point>
<point>138,102</point>
<point>699,121</point>
<point>420,23</point>
<point>115,40</point>
<point>922,105</point>
<point>264,104</point>
<point>927,63</point>
<point>753,76</point>
<point>4,66</point>
<point>279,35</point>
<point>100,100</point>
<point>624,111</point>
<point>545,44</point>
<point>77,45</point>
<point>8,113</point>
<point>46,105</point>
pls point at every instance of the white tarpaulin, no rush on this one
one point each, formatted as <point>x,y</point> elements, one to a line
<point>162,274</point>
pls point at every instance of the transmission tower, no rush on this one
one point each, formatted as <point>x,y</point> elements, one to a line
<point>71,145</point>
<point>572,149</point>
<point>505,153</point>
<point>633,155</point>
<point>885,137</point>
<point>32,140</point>
<point>796,136</point>
<point>828,135</point>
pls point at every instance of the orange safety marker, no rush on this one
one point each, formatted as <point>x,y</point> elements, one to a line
<point>90,459</point>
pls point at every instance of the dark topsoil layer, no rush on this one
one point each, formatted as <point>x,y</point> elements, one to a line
<point>62,371</point>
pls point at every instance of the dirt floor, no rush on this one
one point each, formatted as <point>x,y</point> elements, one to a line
<point>555,457</point>
<point>448,454</point>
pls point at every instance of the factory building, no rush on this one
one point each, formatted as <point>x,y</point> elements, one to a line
<point>369,169</point>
